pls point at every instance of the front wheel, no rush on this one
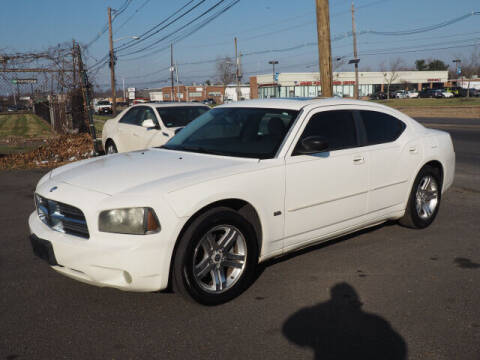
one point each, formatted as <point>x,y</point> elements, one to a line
<point>424,200</point>
<point>216,257</point>
<point>111,148</point>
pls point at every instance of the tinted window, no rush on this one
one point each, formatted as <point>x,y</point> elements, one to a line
<point>337,127</point>
<point>380,127</point>
<point>180,116</point>
<point>133,116</point>
<point>243,132</point>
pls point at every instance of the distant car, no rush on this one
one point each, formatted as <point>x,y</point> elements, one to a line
<point>209,102</point>
<point>103,107</point>
<point>12,108</point>
<point>412,94</point>
<point>147,125</point>
<point>401,94</point>
<point>430,93</point>
<point>447,94</point>
<point>380,95</point>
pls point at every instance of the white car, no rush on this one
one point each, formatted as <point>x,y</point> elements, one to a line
<point>413,94</point>
<point>147,125</point>
<point>102,107</point>
<point>401,94</point>
<point>447,94</point>
<point>242,183</point>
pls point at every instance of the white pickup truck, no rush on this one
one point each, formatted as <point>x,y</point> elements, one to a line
<point>103,107</point>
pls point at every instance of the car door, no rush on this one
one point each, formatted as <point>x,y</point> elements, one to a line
<point>325,190</point>
<point>392,159</point>
<point>143,137</point>
<point>126,127</point>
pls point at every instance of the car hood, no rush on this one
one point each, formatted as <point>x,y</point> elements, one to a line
<point>136,171</point>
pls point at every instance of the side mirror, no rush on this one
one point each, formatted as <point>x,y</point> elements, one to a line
<point>311,145</point>
<point>148,123</point>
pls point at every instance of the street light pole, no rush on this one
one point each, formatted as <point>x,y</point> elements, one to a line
<point>273,63</point>
<point>112,63</point>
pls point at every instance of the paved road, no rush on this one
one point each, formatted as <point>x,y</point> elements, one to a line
<point>387,293</point>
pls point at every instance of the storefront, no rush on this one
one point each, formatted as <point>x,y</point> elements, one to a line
<point>308,84</point>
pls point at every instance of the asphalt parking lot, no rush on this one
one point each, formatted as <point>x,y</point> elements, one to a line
<point>385,293</point>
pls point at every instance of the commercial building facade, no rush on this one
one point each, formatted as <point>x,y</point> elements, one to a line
<point>308,84</point>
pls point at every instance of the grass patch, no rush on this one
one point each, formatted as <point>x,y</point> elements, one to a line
<point>16,149</point>
<point>24,125</point>
<point>430,102</point>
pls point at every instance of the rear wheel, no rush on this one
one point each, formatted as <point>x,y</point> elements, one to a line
<point>216,257</point>
<point>111,148</point>
<point>424,200</point>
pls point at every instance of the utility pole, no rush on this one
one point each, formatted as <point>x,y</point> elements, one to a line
<point>324,47</point>
<point>237,71</point>
<point>123,85</point>
<point>112,63</point>
<point>172,69</point>
<point>178,85</point>
<point>355,55</point>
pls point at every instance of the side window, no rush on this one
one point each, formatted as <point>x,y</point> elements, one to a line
<point>133,116</point>
<point>337,127</point>
<point>148,114</point>
<point>380,127</point>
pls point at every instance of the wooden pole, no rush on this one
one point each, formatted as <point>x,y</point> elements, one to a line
<point>355,54</point>
<point>112,63</point>
<point>171,71</point>
<point>324,47</point>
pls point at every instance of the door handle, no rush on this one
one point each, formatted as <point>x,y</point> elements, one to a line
<point>413,150</point>
<point>357,160</point>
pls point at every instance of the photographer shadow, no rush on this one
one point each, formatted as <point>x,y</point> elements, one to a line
<point>339,329</point>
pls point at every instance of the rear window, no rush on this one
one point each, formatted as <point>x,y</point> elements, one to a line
<point>380,127</point>
<point>180,116</point>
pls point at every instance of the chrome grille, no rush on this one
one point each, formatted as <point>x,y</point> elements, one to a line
<point>62,217</point>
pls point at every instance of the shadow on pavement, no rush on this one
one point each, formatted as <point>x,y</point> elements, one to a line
<point>465,263</point>
<point>339,329</point>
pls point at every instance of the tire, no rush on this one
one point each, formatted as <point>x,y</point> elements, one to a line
<point>208,270</point>
<point>111,148</point>
<point>424,200</point>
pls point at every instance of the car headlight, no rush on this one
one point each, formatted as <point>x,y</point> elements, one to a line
<point>135,221</point>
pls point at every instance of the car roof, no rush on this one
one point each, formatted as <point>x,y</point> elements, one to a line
<point>297,103</point>
<point>171,104</point>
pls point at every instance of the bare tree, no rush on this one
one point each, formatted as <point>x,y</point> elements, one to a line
<point>470,67</point>
<point>225,70</point>
<point>390,72</point>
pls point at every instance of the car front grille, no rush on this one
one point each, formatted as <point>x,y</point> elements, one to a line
<point>62,217</point>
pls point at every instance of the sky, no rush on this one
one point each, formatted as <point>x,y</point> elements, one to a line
<point>282,30</point>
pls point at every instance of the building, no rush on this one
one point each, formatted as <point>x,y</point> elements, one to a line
<point>308,84</point>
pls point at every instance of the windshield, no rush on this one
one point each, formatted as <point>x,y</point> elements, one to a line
<point>103,103</point>
<point>180,116</point>
<point>240,132</point>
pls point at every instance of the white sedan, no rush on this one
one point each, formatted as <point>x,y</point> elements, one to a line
<point>147,125</point>
<point>242,183</point>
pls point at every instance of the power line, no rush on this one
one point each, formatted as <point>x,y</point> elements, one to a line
<point>179,29</point>
<point>105,27</point>
<point>188,32</point>
<point>132,16</point>
<point>149,33</point>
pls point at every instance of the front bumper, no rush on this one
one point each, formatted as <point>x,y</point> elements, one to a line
<point>125,262</point>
